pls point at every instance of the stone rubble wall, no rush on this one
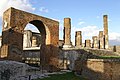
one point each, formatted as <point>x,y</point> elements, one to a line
<point>102,52</point>
<point>101,69</point>
<point>70,56</point>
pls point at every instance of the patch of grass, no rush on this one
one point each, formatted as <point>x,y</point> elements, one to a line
<point>66,76</point>
<point>109,57</point>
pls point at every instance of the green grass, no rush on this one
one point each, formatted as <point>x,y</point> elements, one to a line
<point>66,76</point>
<point>109,57</point>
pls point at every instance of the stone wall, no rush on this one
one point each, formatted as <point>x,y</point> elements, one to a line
<point>101,52</point>
<point>117,48</point>
<point>68,57</point>
<point>101,69</point>
<point>32,56</point>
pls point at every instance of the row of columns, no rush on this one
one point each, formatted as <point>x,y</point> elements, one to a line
<point>100,41</point>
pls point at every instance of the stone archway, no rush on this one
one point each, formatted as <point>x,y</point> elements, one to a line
<point>12,35</point>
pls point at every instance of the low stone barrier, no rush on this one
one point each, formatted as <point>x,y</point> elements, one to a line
<point>101,69</point>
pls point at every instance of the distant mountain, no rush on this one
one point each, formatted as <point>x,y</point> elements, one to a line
<point>114,42</point>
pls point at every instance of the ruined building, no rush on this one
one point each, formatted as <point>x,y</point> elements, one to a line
<point>100,41</point>
<point>31,47</point>
<point>42,48</point>
<point>14,24</point>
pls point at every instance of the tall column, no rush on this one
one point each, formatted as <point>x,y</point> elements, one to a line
<point>101,40</point>
<point>67,33</point>
<point>105,21</point>
<point>88,43</point>
<point>95,42</point>
<point>78,39</point>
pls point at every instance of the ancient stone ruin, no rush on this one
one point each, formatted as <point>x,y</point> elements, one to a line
<point>12,36</point>
<point>51,54</point>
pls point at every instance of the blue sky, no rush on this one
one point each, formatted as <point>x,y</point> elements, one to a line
<point>86,15</point>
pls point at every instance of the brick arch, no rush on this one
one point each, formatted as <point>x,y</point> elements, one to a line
<point>14,22</point>
<point>43,29</point>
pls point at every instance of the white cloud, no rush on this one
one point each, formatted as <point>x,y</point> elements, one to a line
<point>43,9</point>
<point>19,4</point>
<point>87,32</point>
<point>109,20</point>
<point>61,27</point>
<point>114,36</point>
<point>98,17</point>
<point>80,23</point>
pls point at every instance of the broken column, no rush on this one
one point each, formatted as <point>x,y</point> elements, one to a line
<point>95,42</point>
<point>67,33</point>
<point>34,41</point>
<point>78,39</point>
<point>101,40</point>
<point>88,43</point>
<point>105,21</point>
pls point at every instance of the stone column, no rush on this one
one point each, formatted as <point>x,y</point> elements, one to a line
<point>34,41</point>
<point>88,43</point>
<point>105,21</point>
<point>95,42</point>
<point>27,39</point>
<point>78,39</point>
<point>101,40</point>
<point>114,48</point>
<point>67,33</point>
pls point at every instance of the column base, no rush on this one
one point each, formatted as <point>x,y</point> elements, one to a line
<point>67,46</point>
